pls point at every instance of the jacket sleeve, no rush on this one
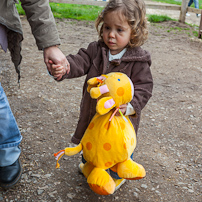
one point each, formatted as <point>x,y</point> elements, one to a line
<point>42,22</point>
<point>143,84</point>
<point>82,61</point>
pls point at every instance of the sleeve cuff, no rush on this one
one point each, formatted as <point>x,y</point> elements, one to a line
<point>129,110</point>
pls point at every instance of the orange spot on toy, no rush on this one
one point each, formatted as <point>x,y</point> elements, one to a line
<point>107,146</point>
<point>120,91</point>
<point>88,146</point>
<point>91,125</point>
<point>108,164</point>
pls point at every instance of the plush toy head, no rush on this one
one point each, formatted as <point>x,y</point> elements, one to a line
<point>111,90</point>
<point>109,140</point>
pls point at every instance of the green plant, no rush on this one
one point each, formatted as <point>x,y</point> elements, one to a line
<point>74,11</point>
<point>177,2</point>
<point>195,33</point>
<point>19,8</point>
<point>159,18</point>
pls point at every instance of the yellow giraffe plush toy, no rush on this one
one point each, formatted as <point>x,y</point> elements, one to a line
<point>109,140</point>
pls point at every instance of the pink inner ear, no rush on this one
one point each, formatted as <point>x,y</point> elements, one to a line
<point>109,103</point>
<point>101,77</point>
<point>103,89</point>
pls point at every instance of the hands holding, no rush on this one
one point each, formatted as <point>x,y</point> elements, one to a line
<point>58,70</point>
<point>56,62</point>
<point>122,108</point>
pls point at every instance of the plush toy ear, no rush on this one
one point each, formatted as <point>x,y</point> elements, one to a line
<point>95,81</point>
<point>104,105</point>
<point>91,86</point>
<point>97,91</point>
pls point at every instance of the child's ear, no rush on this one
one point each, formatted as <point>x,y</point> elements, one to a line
<point>104,105</point>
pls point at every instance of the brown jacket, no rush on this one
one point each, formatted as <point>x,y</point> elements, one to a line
<point>41,20</point>
<point>93,62</point>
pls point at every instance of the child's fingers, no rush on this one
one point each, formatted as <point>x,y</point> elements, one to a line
<point>57,71</point>
<point>122,108</point>
<point>56,66</point>
<point>117,114</point>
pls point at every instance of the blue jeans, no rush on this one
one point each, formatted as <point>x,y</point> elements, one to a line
<point>10,136</point>
<point>112,173</point>
<point>195,3</point>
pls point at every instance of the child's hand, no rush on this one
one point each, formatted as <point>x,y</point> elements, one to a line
<point>58,70</point>
<point>123,110</point>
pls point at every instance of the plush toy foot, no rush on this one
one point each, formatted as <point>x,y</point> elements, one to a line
<point>101,182</point>
<point>86,169</point>
<point>130,170</point>
<point>119,183</point>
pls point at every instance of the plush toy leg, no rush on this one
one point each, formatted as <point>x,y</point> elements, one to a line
<point>86,169</point>
<point>101,182</point>
<point>130,170</point>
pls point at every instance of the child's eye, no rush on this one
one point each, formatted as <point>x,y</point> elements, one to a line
<point>119,30</point>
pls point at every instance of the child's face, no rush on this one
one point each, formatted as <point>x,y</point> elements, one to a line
<point>116,32</point>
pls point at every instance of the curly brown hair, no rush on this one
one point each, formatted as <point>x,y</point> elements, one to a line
<point>135,13</point>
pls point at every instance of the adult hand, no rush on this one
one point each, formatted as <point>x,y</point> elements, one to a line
<point>53,55</point>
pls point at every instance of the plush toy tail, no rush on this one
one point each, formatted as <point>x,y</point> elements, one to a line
<point>58,155</point>
<point>69,151</point>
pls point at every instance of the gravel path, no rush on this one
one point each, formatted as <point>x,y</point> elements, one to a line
<point>170,135</point>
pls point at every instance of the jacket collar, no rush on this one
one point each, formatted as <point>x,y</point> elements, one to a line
<point>136,54</point>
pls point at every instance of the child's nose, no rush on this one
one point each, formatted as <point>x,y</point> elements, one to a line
<point>111,34</point>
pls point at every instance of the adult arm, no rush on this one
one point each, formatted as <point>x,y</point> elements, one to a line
<point>42,22</point>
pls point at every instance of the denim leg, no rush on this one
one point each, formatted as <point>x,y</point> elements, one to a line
<point>10,136</point>
<point>196,4</point>
<point>190,3</point>
<point>9,155</point>
<point>114,174</point>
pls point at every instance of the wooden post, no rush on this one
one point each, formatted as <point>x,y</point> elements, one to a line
<point>200,28</point>
<point>183,11</point>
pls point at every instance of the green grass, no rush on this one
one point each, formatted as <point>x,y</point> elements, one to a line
<point>169,1</point>
<point>74,11</point>
<point>159,18</point>
<point>85,12</point>
<point>177,2</point>
<point>90,13</point>
<point>71,11</point>
<point>20,10</point>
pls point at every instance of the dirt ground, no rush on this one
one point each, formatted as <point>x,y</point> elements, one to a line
<point>170,135</point>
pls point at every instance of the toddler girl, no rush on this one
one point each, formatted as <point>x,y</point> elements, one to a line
<point>122,28</point>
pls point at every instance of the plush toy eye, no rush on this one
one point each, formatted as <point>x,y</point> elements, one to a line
<point>119,79</point>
